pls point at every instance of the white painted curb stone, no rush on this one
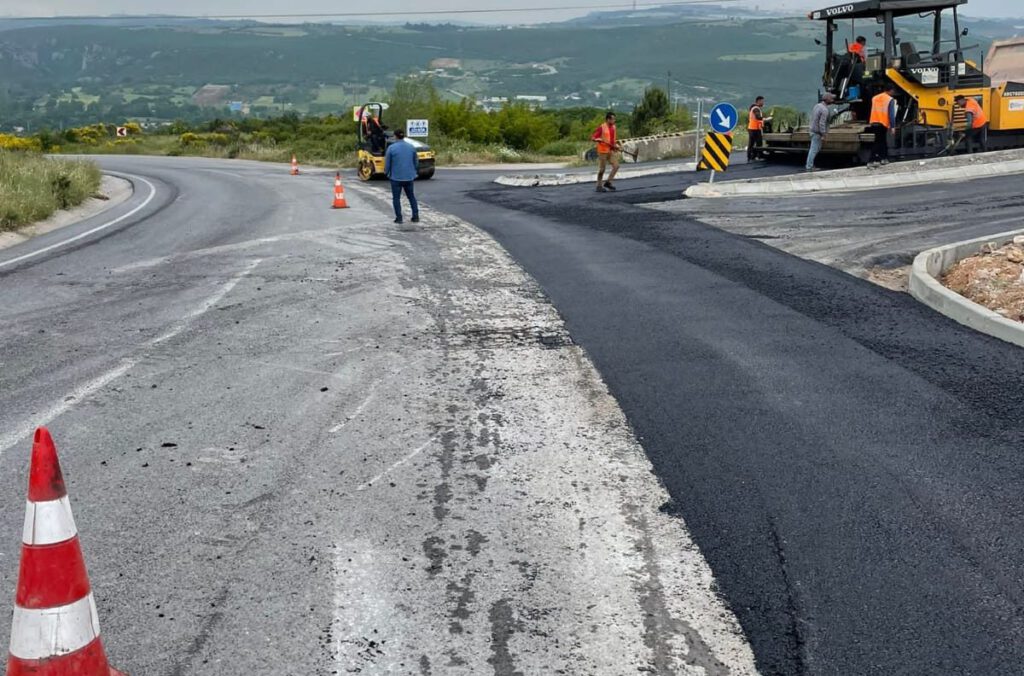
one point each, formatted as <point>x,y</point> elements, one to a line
<point>863,180</point>
<point>548,180</point>
<point>925,286</point>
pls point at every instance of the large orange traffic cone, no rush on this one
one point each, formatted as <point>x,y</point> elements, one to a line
<point>295,166</point>
<point>55,631</point>
<point>339,194</point>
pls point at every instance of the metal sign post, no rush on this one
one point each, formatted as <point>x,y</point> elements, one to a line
<point>700,130</point>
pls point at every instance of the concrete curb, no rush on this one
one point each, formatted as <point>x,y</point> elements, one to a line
<point>862,180</point>
<point>547,180</point>
<point>925,286</point>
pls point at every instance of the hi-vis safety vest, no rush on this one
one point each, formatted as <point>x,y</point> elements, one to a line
<point>880,110</point>
<point>755,124</point>
<point>975,109</point>
<point>604,144</point>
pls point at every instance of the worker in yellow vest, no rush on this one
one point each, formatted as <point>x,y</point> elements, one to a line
<point>883,124</point>
<point>977,122</point>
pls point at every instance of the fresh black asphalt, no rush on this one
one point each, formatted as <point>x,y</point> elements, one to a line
<point>848,461</point>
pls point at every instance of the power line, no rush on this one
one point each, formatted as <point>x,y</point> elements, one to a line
<point>332,15</point>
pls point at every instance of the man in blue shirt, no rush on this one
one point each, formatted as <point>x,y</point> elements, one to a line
<point>401,165</point>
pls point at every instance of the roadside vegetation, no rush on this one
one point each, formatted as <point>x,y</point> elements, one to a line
<point>460,132</point>
<point>32,186</point>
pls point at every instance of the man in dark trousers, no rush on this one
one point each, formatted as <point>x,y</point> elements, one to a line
<point>401,165</point>
<point>977,122</point>
<point>883,125</point>
<point>755,129</point>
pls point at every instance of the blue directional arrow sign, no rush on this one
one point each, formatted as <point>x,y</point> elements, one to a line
<point>724,118</point>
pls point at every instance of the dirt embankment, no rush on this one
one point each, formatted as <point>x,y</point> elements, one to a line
<point>993,278</point>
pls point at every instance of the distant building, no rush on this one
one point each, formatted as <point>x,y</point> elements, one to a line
<point>531,99</point>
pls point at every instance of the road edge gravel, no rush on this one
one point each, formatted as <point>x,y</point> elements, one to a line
<point>688,626</point>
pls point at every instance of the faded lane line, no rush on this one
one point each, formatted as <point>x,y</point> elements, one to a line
<point>364,486</point>
<point>359,409</point>
<point>207,304</point>
<point>66,404</point>
<point>84,391</point>
<point>297,369</point>
<point>57,245</point>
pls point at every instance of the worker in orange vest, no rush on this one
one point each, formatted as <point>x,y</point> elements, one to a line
<point>860,48</point>
<point>858,59</point>
<point>977,122</point>
<point>373,129</point>
<point>883,124</point>
<point>607,152</point>
<point>755,129</point>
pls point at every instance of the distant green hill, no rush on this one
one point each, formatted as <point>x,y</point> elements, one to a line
<point>74,74</point>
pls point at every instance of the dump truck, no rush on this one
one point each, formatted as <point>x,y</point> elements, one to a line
<point>927,78</point>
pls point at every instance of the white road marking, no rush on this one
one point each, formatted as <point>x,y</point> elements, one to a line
<point>207,305</point>
<point>66,404</point>
<point>98,228</point>
<point>69,401</point>
<point>364,486</point>
<point>359,409</point>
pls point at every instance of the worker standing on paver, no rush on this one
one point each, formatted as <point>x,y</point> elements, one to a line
<point>607,152</point>
<point>858,59</point>
<point>860,48</point>
<point>755,129</point>
<point>977,122</point>
<point>883,124</point>
<point>819,128</point>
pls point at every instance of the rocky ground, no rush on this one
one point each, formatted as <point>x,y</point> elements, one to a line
<point>993,278</point>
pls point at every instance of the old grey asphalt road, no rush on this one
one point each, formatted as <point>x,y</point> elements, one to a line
<point>305,441</point>
<point>848,461</point>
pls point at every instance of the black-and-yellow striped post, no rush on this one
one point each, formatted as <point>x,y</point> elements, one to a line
<point>715,156</point>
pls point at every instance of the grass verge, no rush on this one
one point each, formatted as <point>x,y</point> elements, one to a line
<point>333,152</point>
<point>33,186</point>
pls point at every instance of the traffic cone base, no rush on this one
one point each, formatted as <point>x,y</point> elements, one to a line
<point>339,194</point>
<point>55,630</point>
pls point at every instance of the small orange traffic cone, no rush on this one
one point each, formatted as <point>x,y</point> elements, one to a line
<point>55,630</point>
<point>295,166</point>
<point>339,194</point>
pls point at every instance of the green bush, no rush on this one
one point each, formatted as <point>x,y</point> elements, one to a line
<point>563,148</point>
<point>33,186</point>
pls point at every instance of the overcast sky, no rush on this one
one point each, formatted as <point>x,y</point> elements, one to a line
<point>1014,8</point>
